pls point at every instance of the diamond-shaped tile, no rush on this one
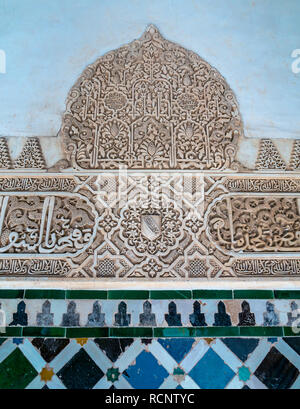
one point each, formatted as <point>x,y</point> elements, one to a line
<point>49,347</point>
<point>80,372</point>
<point>293,342</point>
<point>16,371</point>
<point>276,371</point>
<point>241,347</point>
<point>211,372</point>
<point>146,372</point>
<point>178,348</point>
<point>113,348</point>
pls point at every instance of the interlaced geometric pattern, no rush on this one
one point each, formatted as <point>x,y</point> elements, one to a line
<point>157,363</point>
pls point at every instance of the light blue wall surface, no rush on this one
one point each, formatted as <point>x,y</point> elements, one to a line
<point>49,42</point>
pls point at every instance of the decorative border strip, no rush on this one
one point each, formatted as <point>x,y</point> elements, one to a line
<point>148,294</point>
<point>146,332</point>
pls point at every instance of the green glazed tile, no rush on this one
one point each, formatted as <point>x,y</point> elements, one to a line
<point>174,332</point>
<point>170,294</point>
<point>11,293</point>
<point>287,294</point>
<point>261,331</point>
<point>12,332</point>
<point>217,331</point>
<point>289,332</point>
<point>128,294</point>
<point>253,294</point>
<point>86,294</point>
<point>212,294</point>
<point>16,371</point>
<point>98,332</point>
<point>48,294</point>
<point>131,332</point>
<point>53,332</point>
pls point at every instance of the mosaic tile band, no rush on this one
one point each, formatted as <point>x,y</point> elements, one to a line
<point>128,363</point>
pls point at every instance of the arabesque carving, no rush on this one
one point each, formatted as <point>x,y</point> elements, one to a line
<point>256,224</point>
<point>268,156</point>
<point>151,104</point>
<point>31,156</point>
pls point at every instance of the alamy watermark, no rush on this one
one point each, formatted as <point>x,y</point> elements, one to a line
<point>296,321</point>
<point>2,62</point>
<point>296,63</point>
<point>2,320</point>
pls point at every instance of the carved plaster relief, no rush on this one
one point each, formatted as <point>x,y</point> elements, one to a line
<point>151,104</point>
<point>150,187</point>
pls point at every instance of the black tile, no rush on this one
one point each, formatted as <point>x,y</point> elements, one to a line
<point>146,341</point>
<point>276,372</point>
<point>113,347</point>
<point>241,347</point>
<point>222,319</point>
<point>71,318</point>
<point>246,317</point>
<point>80,372</point>
<point>50,347</point>
<point>293,342</point>
<point>173,319</point>
<point>122,319</point>
<point>20,317</point>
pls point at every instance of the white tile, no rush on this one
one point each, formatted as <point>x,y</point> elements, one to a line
<point>258,355</point>
<point>258,307</point>
<point>58,308</point>
<point>169,383</point>
<point>55,383</point>
<point>134,308</point>
<point>97,355</point>
<point>33,307</point>
<point>209,308</point>
<point>103,383</point>
<point>185,308</point>
<point>122,383</point>
<point>189,383</point>
<point>289,353</point>
<point>160,308</point>
<point>32,355</point>
<point>194,355</point>
<point>109,308</point>
<point>255,383</point>
<point>129,355</point>
<point>296,384</point>
<point>235,383</point>
<point>226,355</point>
<point>9,307</point>
<point>65,355</point>
<point>162,356</point>
<point>6,349</point>
<point>36,383</point>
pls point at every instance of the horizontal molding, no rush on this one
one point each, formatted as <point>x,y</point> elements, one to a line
<point>147,332</point>
<point>59,294</point>
<point>88,284</point>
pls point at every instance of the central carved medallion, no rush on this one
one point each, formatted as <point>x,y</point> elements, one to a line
<point>151,225</point>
